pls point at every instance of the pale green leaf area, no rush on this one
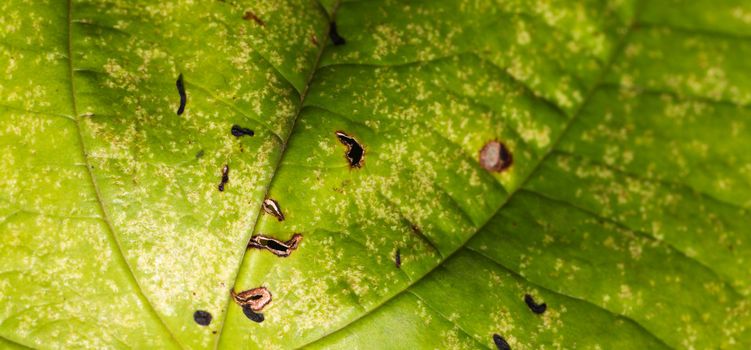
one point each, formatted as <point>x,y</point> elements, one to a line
<point>626,208</point>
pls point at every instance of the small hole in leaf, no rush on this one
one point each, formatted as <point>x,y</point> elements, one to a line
<point>279,248</point>
<point>355,152</point>
<point>201,317</point>
<point>535,307</point>
<point>334,35</point>
<point>500,343</point>
<point>495,156</point>
<point>270,206</point>
<point>256,299</point>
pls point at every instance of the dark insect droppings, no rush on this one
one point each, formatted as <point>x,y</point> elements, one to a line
<point>202,317</point>
<point>252,315</point>
<point>181,91</point>
<point>355,152</point>
<point>398,259</point>
<point>239,131</point>
<point>500,343</point>
<point>225,178</point>
<point>335,38</point>
<point>535,307</point>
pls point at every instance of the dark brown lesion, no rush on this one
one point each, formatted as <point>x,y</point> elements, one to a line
<point>249,15</point>
<point>256,299</point>
<point>279,248</point>
<point>271,207</point>
<point>495,156</point>
<point>398,259</point>
<point>355,152</point>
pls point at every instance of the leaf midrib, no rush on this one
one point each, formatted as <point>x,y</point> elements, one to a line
<point>82,146</point>
<point>282,153</point>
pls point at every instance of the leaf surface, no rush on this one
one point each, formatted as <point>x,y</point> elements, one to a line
<point>625,209</point>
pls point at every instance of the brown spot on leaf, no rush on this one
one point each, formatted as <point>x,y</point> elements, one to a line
<point>256,299</point>
<point>495,156</point>
<point>225,177</point>
<point>398,259</point>
<point>279,248</point>
<point>249,15</point>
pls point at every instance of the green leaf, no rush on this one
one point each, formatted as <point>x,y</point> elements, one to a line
<point>625,210</point>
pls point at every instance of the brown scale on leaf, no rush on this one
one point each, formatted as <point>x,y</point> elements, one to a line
<point>255,299</point>
<point>355,152</point>
<point>314,39</point>
<point>398,259</point>
<point>279,248</point>
<point>495,156</point>
<point>271,207</point>
<point>252,16</point>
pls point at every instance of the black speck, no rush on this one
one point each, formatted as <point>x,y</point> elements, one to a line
<point>335,38</point>
<point>202,317</point>
<point>500,343</point>
<point>225,178</point>
<point>252,315</point>
<point>183,97</point>
<point>239,131</point>
<point>199,154</point>
<point>535,307</point>
<point>398,259</point>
